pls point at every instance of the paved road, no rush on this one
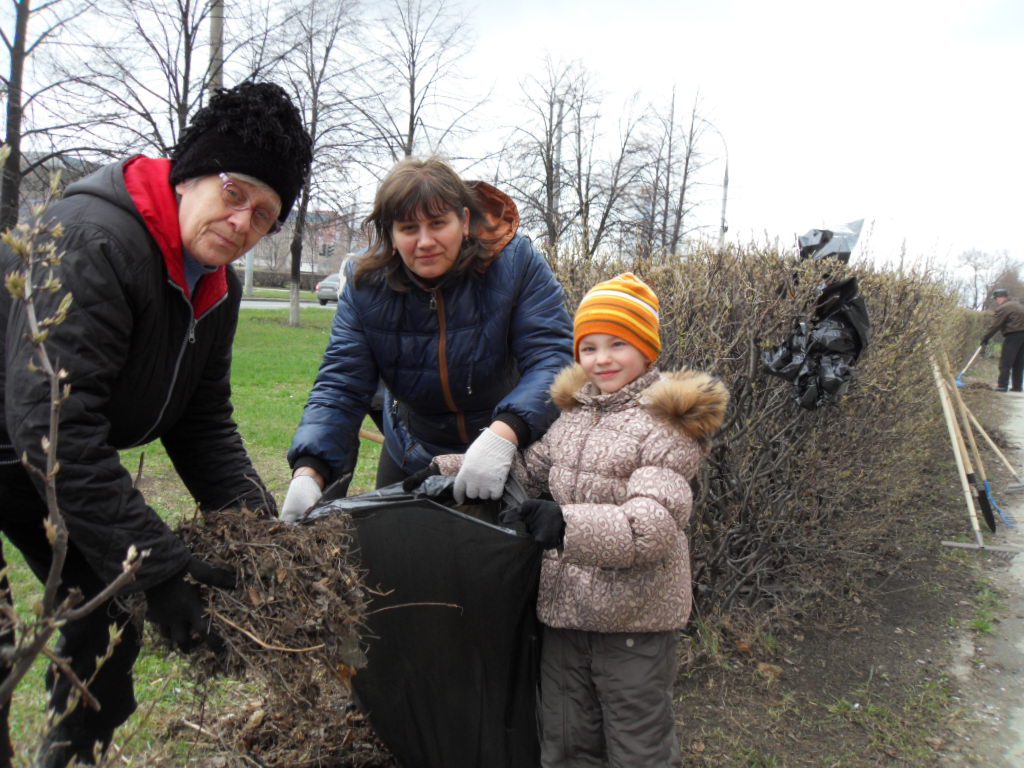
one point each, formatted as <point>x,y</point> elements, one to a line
<point>282,304</point>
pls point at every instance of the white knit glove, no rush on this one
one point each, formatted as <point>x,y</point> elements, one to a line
<point>484,468</point>
<point>303,493</point>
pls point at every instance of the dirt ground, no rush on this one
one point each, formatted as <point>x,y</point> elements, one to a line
<point>907,679</point>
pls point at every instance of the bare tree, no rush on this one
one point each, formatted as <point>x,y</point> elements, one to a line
<point>156,63</point>
<point>149,72</point>
<point>601,184</point>
<point>665,197</point>
<point>264,48</point>
<point>570,179</point>
<point>535,156</point>
<point>1005,273</point>
<point>320,72</point>
<point>986,271</point>
<point>28,36</point>
<point>415,104</point>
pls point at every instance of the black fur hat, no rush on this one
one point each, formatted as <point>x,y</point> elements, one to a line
<point>253,129</point>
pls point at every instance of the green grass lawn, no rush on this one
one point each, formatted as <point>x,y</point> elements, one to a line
<point>281,293</point>
<point>273,368</point>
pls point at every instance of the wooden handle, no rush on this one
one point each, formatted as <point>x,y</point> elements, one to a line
<point>376,437</point>
<point>992,445</point>
<point>965,424</point>
<point>956,440</point>
<point>976,353</point>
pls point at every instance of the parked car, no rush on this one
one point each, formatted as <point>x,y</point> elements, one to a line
<point>327,289</point>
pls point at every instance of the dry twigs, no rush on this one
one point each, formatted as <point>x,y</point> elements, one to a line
<point>299,600</point>
<point>292,625</point>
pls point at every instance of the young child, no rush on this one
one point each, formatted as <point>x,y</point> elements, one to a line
<point>615,580</point>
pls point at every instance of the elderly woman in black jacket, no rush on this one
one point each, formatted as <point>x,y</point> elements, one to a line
<point>147,349</point>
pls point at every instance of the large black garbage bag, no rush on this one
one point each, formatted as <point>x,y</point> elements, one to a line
<point>452,635</point>
<point>786,359</point>
<point>819,357</point>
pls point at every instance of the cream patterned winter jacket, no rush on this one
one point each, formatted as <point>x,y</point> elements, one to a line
<point>620,466</point>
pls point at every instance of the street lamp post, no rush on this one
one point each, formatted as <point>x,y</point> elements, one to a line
<point>722,227</point>
<point>725,196</point>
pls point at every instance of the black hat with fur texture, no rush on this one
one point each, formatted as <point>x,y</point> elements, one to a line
<point>254,129</point>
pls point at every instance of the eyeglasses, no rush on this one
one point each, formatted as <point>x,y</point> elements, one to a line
<point>234,197</point>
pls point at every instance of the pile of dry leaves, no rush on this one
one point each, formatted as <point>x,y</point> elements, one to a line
<point>292,626</point>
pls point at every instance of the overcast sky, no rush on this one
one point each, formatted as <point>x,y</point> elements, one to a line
<point>907,113</point>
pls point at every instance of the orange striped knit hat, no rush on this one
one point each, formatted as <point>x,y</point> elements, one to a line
<point>625,307</point>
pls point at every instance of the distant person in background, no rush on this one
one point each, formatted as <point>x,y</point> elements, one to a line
<point>1008,319</point>
<point>462,320</point>
<point>147,245</point>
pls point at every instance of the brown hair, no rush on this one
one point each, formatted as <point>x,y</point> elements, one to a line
<point>421,187</point>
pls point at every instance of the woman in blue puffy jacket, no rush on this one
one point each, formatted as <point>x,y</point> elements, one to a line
<point>463,321</point>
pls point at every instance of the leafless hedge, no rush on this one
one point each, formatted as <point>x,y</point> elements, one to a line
<point>795,506</point>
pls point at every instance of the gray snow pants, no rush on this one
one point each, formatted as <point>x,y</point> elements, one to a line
<point>606,699</point>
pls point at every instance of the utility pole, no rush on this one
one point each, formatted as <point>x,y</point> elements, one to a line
<point>216,44</point>
<point>217,81</point>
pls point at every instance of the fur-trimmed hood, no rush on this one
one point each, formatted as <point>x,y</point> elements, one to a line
<point>692,400</point>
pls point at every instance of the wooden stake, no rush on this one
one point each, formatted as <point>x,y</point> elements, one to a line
<point>956,441</point>
<point>978,479</point>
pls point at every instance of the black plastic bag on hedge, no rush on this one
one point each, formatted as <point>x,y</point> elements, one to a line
<point>451,632</point>
<point>820,362</point>
<point>786,359</point>
<point>832,336</point>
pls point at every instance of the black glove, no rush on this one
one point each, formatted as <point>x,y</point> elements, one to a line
<point>176,609</point>
<point>543,521</point>
<point>209,575</point>
<point>414,481</point>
